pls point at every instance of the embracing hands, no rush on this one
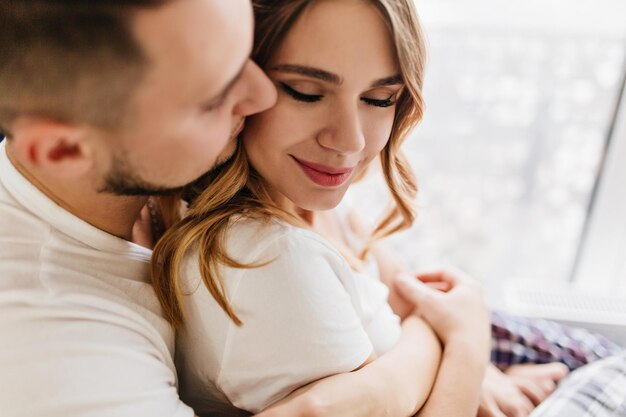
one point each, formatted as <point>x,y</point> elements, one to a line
<point>452,304</point>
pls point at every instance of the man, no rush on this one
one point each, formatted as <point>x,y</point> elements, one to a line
<point>104,103</point>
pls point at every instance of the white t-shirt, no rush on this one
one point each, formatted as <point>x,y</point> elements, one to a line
<point>81,330</point>
<point>305,313</point>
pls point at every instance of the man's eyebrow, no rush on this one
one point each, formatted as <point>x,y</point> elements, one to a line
<point>221,96</point>
<point>329,77</point>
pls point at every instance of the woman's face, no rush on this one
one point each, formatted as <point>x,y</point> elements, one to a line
<point>338,81</point>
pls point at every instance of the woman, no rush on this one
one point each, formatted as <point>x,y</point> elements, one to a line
<point>349,75</point>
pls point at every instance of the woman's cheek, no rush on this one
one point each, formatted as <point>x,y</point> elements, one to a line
<point>379,141</point>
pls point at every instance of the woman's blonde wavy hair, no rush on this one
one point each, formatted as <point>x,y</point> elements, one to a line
<point>236,189</point>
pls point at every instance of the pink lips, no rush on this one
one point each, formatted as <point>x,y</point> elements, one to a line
<point>324,175</point>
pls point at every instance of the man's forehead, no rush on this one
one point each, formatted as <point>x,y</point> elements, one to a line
<point>198,41</point>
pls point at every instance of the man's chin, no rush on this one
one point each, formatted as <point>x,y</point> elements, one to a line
<point>123,183</point>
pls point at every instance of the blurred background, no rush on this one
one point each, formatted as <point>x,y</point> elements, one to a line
<point>520,98</point>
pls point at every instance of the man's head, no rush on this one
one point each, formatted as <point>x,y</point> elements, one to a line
<point>140,96</point>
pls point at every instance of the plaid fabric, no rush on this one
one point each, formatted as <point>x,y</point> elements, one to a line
<point>596,390</point>
<point>518,340</point>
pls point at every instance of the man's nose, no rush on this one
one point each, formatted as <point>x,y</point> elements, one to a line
<point>258,93</point>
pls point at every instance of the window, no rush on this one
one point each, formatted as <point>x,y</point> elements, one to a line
<point>520,97</point>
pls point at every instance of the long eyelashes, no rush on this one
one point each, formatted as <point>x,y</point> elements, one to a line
<point>307,98</point>
<point>388,102</point>
<point>313,98</point>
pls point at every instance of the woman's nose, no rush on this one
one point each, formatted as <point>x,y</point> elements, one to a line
<point>345,132</point>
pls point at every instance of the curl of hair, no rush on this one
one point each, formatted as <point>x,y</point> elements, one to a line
<point>233,190</point>
<point>408,39</point>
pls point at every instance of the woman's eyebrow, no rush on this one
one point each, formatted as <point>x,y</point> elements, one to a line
<point>329,77</point>
<point>317,73</point>
<point>393,80</point>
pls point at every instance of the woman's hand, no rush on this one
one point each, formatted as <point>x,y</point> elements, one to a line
<point>461,320</point>
<point>451,303</point>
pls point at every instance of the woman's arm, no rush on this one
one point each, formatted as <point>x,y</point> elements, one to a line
<point>383,388</point>
<point>457,389</point>
<point>389,265</point>
<point>461,320</point>
<point>395,384</point>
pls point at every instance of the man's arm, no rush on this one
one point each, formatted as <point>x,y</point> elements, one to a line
<point>60,359</point>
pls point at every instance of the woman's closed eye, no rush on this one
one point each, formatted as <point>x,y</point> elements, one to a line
<point>298,96</point>
<point>387,102</point>
<point>313,98</point>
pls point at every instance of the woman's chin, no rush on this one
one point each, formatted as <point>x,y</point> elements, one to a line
<point>322,205</point>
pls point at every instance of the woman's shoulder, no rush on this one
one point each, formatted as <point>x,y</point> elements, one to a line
<point>249,238</point>
<point>268,245</point>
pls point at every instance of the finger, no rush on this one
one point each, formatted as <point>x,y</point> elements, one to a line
<point>545,387</point>
<point>452,276</point>
<point>557,371</point>
<point>442,277</point>
<point>430,276</point>
<point>548,386</point>
<point>411,289</point>
<point>521,406</point>
<point>439,286</point>
<point>489,408</point>
<point>531,390</point>
<point>540,372</point>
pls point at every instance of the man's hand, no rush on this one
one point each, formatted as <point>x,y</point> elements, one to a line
<point>517,391</point>
<point>142,229</point>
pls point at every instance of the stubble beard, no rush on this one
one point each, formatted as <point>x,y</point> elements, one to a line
<point>122,180</point>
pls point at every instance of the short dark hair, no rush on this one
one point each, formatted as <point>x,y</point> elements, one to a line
<point>71,60</point>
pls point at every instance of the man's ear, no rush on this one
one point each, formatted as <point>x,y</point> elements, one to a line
<point>55,148</point>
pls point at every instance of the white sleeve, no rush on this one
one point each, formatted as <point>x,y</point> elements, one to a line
<point>299,324</point>
<point>63,360</point>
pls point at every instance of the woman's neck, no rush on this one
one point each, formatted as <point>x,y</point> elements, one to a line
<point>285,204</point>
